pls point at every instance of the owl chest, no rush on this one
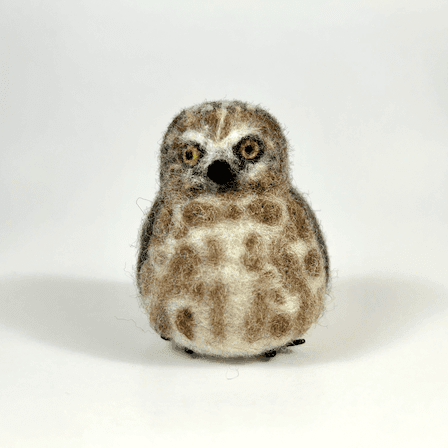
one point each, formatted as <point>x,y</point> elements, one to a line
<point>229,253</point>
<point>233,244</point>
<point>232,274</point>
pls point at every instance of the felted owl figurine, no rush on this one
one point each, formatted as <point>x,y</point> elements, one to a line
<point>231,260</point>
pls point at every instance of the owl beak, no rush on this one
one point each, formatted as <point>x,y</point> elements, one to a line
<point>221,173</point>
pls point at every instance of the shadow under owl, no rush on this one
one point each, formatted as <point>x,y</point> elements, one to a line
<point>102,319</point>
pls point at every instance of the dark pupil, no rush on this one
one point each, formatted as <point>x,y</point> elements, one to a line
<point>248,149</point>
<point>189,154</point>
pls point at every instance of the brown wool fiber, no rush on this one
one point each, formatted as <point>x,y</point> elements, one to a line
<point>232,261</point>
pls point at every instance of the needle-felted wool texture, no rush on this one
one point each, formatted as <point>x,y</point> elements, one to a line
<point>231,259</point>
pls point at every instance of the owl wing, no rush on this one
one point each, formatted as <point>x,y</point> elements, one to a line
<point>146,233</point>
<point>298,197</point>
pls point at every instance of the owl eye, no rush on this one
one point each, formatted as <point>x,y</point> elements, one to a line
<point>250,148</point>
<point>190,155</point>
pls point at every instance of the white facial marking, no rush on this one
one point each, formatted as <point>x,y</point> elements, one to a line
<point>256,169</point>
<point>221,122</point>
<point>196,137</point>
<point>224,148</point>
<point>237,134</point>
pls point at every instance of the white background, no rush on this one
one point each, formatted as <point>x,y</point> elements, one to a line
<point>87,90</point>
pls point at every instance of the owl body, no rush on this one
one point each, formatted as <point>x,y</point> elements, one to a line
<point>232,261</point>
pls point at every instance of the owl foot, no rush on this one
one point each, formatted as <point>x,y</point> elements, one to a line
<point>296,342</point>
<point>270,354</point>
<point>187,350</point>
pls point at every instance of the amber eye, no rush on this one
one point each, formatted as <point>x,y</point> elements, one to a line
<point>190,155</point>
<point>250,148</point>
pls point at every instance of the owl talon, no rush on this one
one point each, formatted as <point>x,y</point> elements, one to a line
<point>165,339</point>
<point>187,350</point>
<point>296,342</point>
<point>270,353</point>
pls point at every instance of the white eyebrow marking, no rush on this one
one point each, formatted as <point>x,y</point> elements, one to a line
<point>194,136</point>
<point>236,135</point>
<point>232,138</point>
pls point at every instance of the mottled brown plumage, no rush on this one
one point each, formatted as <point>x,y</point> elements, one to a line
<point>231,261</point>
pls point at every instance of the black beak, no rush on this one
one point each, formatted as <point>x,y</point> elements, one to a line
<point>221,173</point>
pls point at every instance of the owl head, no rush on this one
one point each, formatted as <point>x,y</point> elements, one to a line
<point>223,147</point>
